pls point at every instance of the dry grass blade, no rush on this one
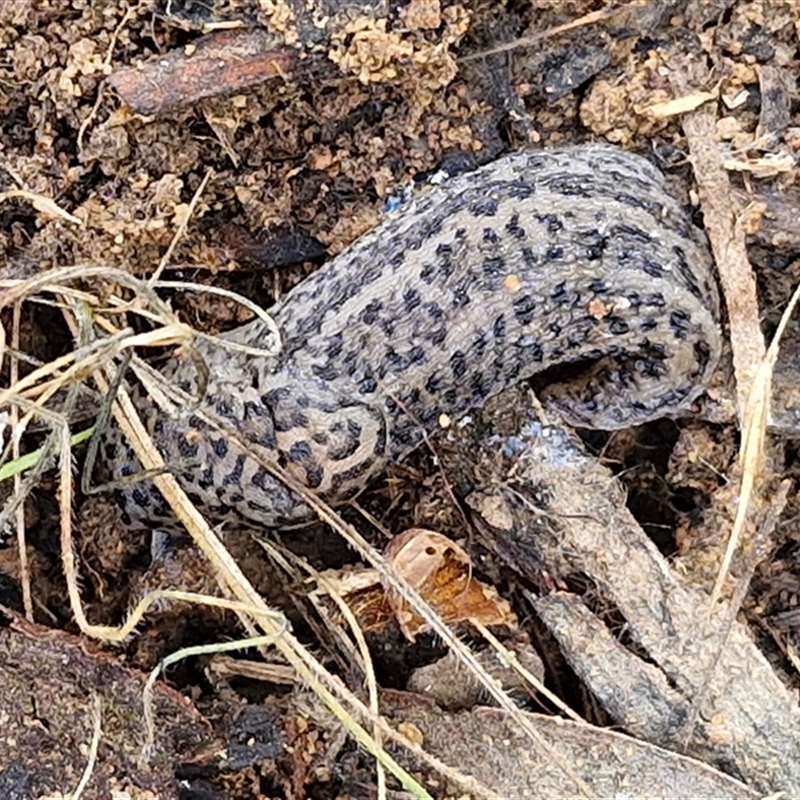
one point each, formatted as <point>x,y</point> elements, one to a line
<point>754,434</point>
<point>592,18</point>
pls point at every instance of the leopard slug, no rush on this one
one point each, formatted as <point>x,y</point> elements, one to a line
<point>576,255</point>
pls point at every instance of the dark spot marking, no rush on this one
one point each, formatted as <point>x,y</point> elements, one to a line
<point>702,352</point>
<point>528,257</point>
<point>653,269</point>
<point>314,475</point>
<point>493,267</point>
<point>220,447</point>
<point>387,326</point>
<point>335,345</point>
<point>434,311</point>
<point>397,362</point>
<point>434,383</point>
<point>519,189</point>
<point>140,497</point>
<point>524,309</point>
<point>344,450</point>
<point>253,409</point>
<point>350,474</point>
<point>460,298</point>
<point>367,386</point>
<point>299,419</point>
<point>618,326</point>
<point>553,223</point>
<point>411,299</point>
<point>480,387</point>
<point>206,479</point>
<point>416,355</point>
<point>638,202</point>
<point>630,233</point>
<point>299,452</point>
<point>261,479</point>
<point>685,271</point>
<point>479,344</point>
<point>559,293</point>
<point>224,408</point>
<point>679,321</point>
<point>371,312</point>
<point>484,207</point>
<point>187,448</point>
<point>275,397</point>
<point>490,235</point>
<point>513,227</point>
<point>654,300</point>
<point>234,477</point>
<point>594,245</point>
<point>499,327</point>
<point>568,185</point>
<point>458,364</point>
<point>326,371</point>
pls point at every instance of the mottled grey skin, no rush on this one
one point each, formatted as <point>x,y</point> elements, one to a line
<point>535,260</point>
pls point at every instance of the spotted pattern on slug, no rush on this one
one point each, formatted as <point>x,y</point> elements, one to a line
<point>575,255</point>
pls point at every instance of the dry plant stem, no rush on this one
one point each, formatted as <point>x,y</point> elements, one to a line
<point>224,667</point>
<point>512,660</point>
<point>188,652</point>
<point>129,14</point>
<point>587,19</point>
<point>777,506</point>
<point>57,281</point>
<point>155,597</point>
<point>94,746</point>
<point>41,203</point>
<point>22,547</point>
<point>368,667</point>
<point>23,486</point>
<point>362,655</point>
<point>272,350</point>
<point>753,364</point>
<point>751,453</point>
<point>162,264</point>
<point>724,232</point>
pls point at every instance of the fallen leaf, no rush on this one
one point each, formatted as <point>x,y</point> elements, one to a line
<point>441,572</point>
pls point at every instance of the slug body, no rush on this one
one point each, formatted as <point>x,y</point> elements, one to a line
<point>575,255</point>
